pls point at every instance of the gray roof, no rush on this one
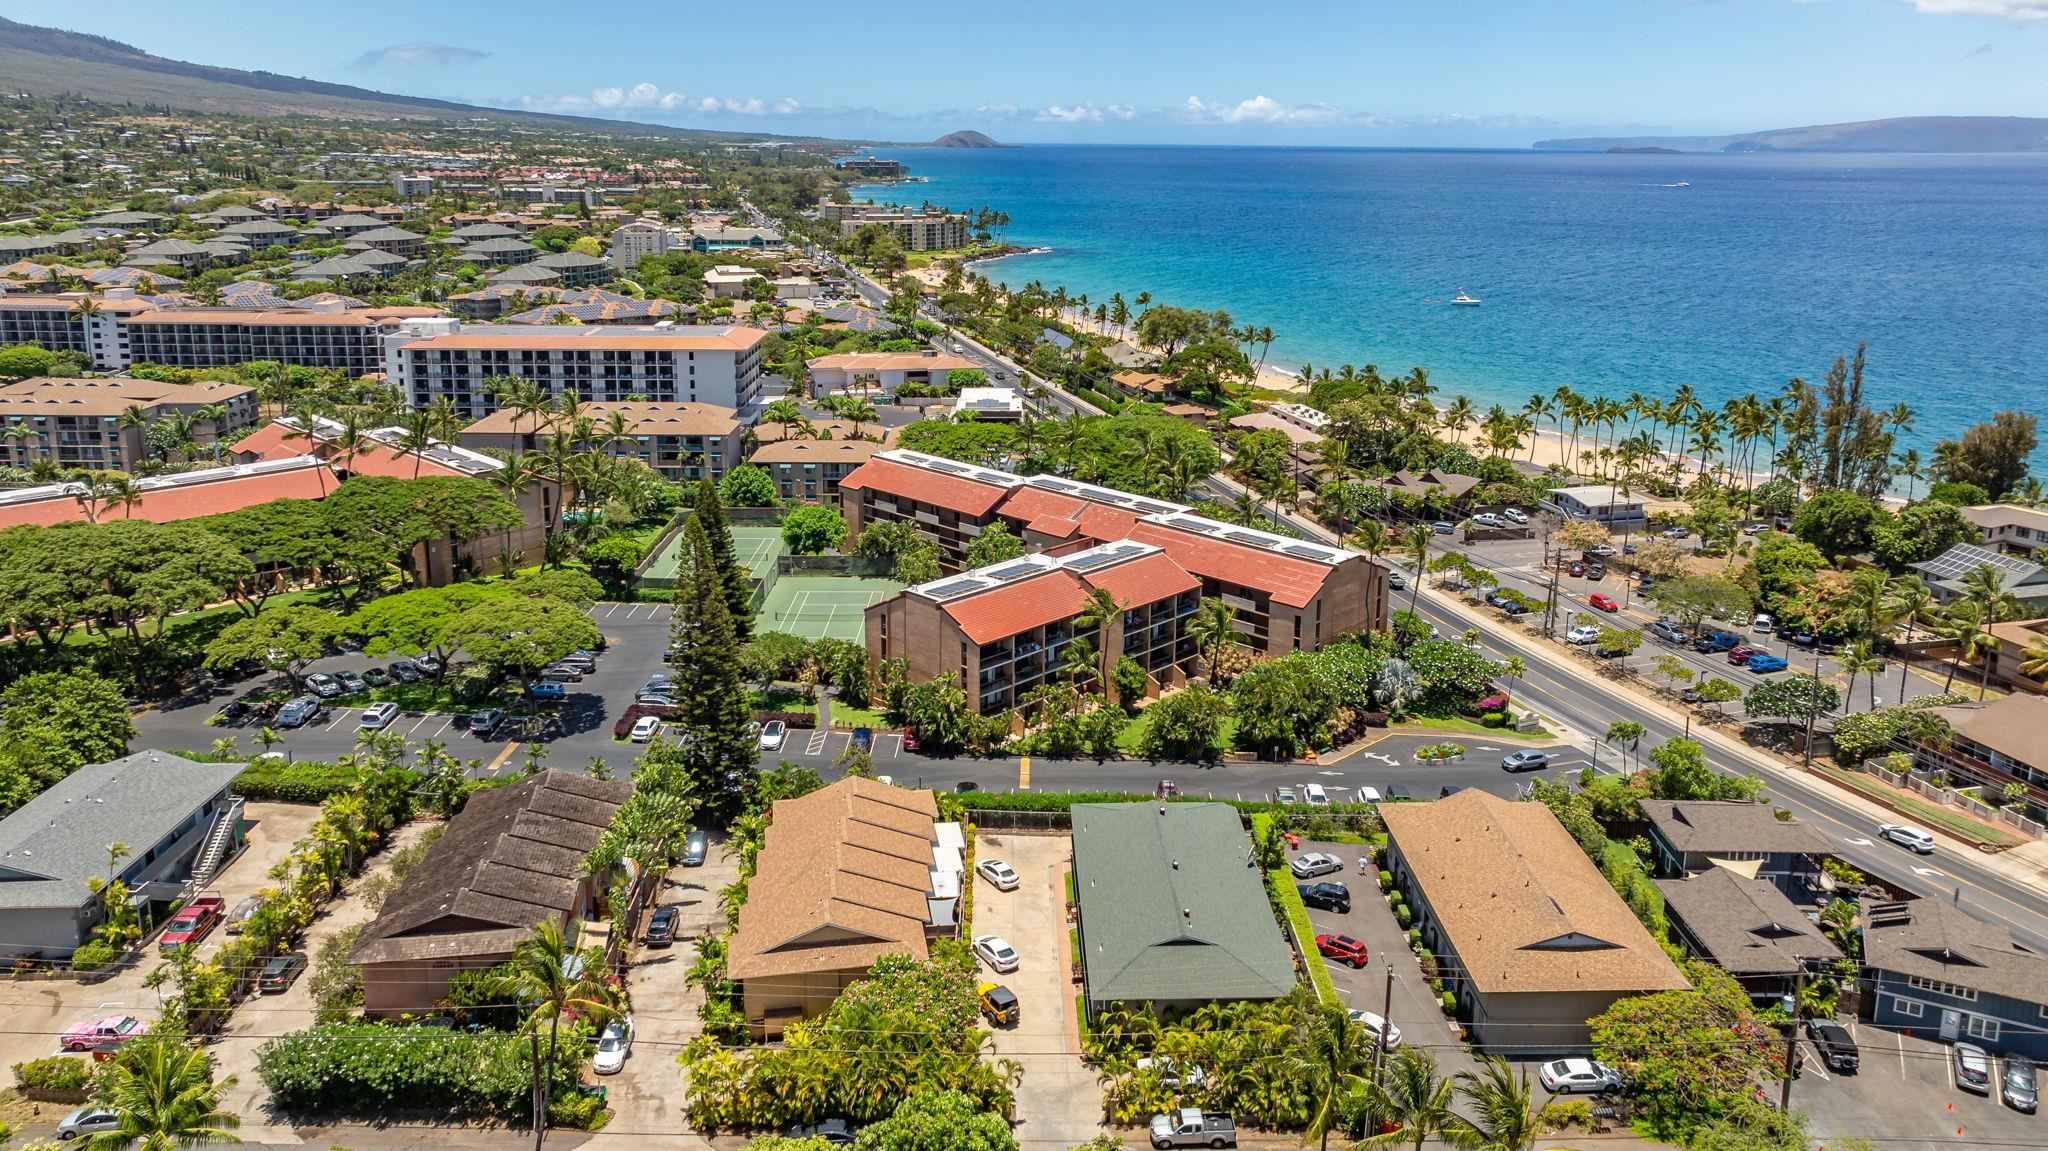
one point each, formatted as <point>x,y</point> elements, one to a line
<point>485,232</point>
<point>527,274</point>
<point>1745,925</point>
<point>570,260</point>
<point>351,220</point>
<point>259,226</point>
<point>503,244</point>
<point>1724,825</point>
<point>1170,910</point>
<point>55,842</point>
<point>124,220</point>
<point>1932,939</point>
<point>171,247</point>
<point>375,234</point>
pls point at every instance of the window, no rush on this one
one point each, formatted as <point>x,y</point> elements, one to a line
<point>1941,988</point>
<point>1910,1008</point>
<point>1981,1028</point>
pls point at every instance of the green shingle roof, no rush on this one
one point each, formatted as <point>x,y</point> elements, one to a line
<point>1170,910</point>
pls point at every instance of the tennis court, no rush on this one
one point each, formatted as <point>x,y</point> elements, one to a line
<point>756,548</point>
<point>820,607</point>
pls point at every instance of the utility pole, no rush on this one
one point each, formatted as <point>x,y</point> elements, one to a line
<point>1813,705</point>
<point>1792,1043</point>
<point>1379,1045</point>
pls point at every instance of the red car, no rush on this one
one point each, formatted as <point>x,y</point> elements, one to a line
<point>910,739</point>
<point>1343,949</point>
<point>1740,655</point>
<point>1603,601</point>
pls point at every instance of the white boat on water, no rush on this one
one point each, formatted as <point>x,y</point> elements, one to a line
<point>1680,184</point>
<point>1462,298</point>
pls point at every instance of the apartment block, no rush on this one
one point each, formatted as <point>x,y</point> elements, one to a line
<point>883,371</point>
<point>432,359</point>
<point>1290,594</point>
<point>684,442</point>
<point>811,470</point>
<point>635,241</point>
<point>76,422</point>
<point>71,323</point>
<point>916,231</point>
<point>343,339</point>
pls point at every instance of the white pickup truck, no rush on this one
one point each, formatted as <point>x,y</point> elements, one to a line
<point>1192,1127</point>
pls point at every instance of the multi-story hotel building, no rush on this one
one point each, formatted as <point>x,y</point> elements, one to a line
<point>346,340</point>
<point>63,323</point>
<point>76,422</point>
<point>1290,594</point>
<point>684,442</point>
<point>916,231</point>
<point>431,359</point>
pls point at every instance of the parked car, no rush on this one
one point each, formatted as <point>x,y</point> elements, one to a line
<point>1529,760</point>
<point>2020,1087</point>
<point>1675,533</point>
<point>1577,568</point>
<point>1383,1033</point>
<point>1669,632</point>
<point>191,924</point>
<point>661,926</point>
<point>998,1005</point>
<point>1595,570</point>
<point>834,1131</point>
<point>1397,582</point>
<point>910,738</point>
<point>1326,896</point>
<point>1368,794</point>
<point>278,974</point>
<point>427,665</point>
<point>298,712</point>
<point>112,1031</point>
<point>1763,624</point>
<point>1907,836</point>
<point>646,728</point>
<point>1314,795</point>
<point>1764,663</point>
<point>1739,654</point>
<point>240,915</point>
<point>323,685</point>
<point>1514,516</point>
<point>548,689</point>
<point>772,734</point>
<point>864,739</point>
<point>562,673</point>
<point>1310,864</point>
<point>996,951</point>
<point>1578,1076</point>
<point>614,1043</point>
<point>1714,639</point>
<point>1488,520</point>
<point>1283,795</point>
<point>1603,602</point>
<point>87,1121</point>
<point>1582,635</point>
<point>1344,949</point>
<point>585,660</point>
<point>377,716</point>
<point>1172,1073</point>
<point>1833,1043</point>
<point>696,847</point>
<point>1973,1068</point>
<point>486,721</point>
<point>1443,527</point>
<point>376,677</point>
<point>351,682</point>
<point>404,671</point>
<point>1598,551</point>
<point>999,874</point>
<point>1193,1127</point>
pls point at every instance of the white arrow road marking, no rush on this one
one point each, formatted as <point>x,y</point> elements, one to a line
<point>1329,773</point>
<point>1926,871</point>
<point>1389,761</point>
<point>1859,842</point>
<point>1484,747</point>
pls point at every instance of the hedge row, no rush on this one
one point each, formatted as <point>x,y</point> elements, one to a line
<point>57,1073</point>
<point>374,1069</point>
<point>277,781</point>
<point>1065,800</point>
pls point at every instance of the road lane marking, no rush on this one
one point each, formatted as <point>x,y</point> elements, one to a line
<point>1928,871</point>
<point>1859,842</point>
<point>1023,772</point>
<point>502,756</point>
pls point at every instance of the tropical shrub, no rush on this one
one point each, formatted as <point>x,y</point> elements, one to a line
<point>57,1073</point>
<point>374,1068</point>
<point>93,956</point>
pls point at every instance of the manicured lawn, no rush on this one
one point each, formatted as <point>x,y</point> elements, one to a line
<point>1921,810</point>
<point>844,715</point>
<point>1132,739</point>
<point>779,699</point>
<point>1465,726</point>
<point>1280,888</point>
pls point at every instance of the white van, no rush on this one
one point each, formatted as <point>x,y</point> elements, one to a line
<point>1314,795</point>
<point>1763,624</point>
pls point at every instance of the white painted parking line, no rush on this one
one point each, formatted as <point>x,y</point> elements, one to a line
<point>445,721</point>
<point>340,714</point>
<point>425,718</point>
<point>894,748</point>
<point>817,742</point>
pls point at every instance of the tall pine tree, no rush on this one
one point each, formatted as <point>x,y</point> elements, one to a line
<point>739,591</point>
<point>718,746</point>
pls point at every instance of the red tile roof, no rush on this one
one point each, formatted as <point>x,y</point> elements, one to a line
<point>1287,580</point>
<point>378,460</point>
<point>1018,607</point>
<point>267,443</point>
<point>965,496</point>
<point>183,501</point>
<point>1143,580</point>
<point>1044,512</point>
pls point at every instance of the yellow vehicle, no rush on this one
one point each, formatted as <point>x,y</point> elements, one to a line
<point>999,1005</point>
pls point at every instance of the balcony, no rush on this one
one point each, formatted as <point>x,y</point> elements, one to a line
<point>994,653</point>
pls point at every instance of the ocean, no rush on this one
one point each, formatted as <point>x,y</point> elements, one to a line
<point>1594,270</point>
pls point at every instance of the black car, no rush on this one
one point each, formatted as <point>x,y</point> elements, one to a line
<point>1327,896</point>
<point>279,972</point>
<point>661,928</point>
<point>833,1131</point>
<point>695,848</point>
<point>1833,1043</point>
<point>1596,571</point>
<point>232,710</point>
<point>403,671</point>
<point>2020,1086</point>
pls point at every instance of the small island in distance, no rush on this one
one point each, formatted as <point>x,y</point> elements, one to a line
<point>1903,134</point>
<point>966,139</point>
<point>1619,150</point>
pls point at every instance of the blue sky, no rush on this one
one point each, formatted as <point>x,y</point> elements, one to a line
<point>1365,72</point>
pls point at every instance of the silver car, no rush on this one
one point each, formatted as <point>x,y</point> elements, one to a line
<point>1310,864</point>
<point>88,1121</point>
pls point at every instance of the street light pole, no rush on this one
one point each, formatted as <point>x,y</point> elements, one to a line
<point>1813,705</point>
<point>1792,1043</point>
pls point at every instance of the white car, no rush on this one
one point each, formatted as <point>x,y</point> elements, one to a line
<point>646,728</point>
<point>1907,836</point>
<point>613,1046</point>
<point>1368,795</point>
<point>1763,624</point>
<point>377,716</point>
<point>1381,1031</point>
<point>1002,875</point>
<point>1575,1076</point>
<point>996,952</point>
<point>1487,520</point>
<point>1314,795</point>
<point>1514,515</point>
<point>1582,635</point>
<point>772,734</point>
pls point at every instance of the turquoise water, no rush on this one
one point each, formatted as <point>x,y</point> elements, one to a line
<point>1593,273</point>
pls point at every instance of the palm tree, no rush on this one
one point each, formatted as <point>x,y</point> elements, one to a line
<point>2034,661</point>
<point>165,1097</point>
<point>1417,540</point>
<point>1984,587</point>
<point>1096,615</point>
<point>1512,667</point>
<point>1910,469</point>
<point>1506,1115</point>
<point>786,413</point>
<point>1413,1094</point>
<point>1910,601</point>
<point>1626,732</point>
<point>547,979</point>
<point>1213,626</point>
<point>1857,658</point>
<point>1963,626</point>
<point>1333,1065</point>
<point>417,437</point>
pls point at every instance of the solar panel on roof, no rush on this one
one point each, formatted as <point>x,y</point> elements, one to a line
<point>1964,558</point>
<point>1206,527</point>
<point>1088,563</point>
<point>1308,550</point>
<point>1152,509</point>
<point>953,588</point>
<point>1011,571</point>
<point>947,466</point>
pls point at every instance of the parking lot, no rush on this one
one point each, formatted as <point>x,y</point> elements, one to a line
<point>1904,1097</point>
<point>645,1095</point>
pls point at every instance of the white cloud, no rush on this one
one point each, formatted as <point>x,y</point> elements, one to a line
<point>416,56</point>
<point>1075,114</point>
<point>996,110</point>
<point>643,97</point>
<point>1258,110</point>
<point>2001,9</point>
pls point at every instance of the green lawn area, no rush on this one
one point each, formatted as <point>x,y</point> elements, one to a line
<point>1280,887</point>
<point>1922,810</point>
<point>1132,739</point>
<point>1463,726</point>
<point>192,630</point>
<point>844,715</point>
<point>778,699</point>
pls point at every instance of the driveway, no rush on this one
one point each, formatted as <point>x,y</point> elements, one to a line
<point>1901,1097</point>
<point>1059,1103</point>
<point>647,1095</point>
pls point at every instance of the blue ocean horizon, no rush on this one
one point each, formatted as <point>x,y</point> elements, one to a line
<point>1595,271</point>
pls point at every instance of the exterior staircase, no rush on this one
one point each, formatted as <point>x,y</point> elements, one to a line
<point>220,839</point>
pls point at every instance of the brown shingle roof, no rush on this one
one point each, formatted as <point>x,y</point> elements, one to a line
<point>108,396</point>
<point>840,882</point>
<point>814,452</point>
<point>1934,940</point>
<point>1522,906</point>
<point>1725,825</point>
<point>513,857</point>
<point>2011,726</point>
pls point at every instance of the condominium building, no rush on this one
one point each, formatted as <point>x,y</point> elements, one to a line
<point>684,442</point>
<point>1290,594</point>
<point>635,241</point>
<point>873,166</point>
<point>343,339</point>
<point>71,323</point>
<point>432,359</point>
<point>810,470</point>
<point>77,422</point>
<point>576,269</point>
<point>729,281</point>
<point>882,371</point>
<point>916,231</point>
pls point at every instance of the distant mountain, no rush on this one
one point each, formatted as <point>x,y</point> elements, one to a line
<point>1905,134</point>
<point>50,61</point>
<point>968,139</point>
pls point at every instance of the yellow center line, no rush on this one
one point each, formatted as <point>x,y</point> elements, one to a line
<point>1023,772</point>
<point>503,756</point>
